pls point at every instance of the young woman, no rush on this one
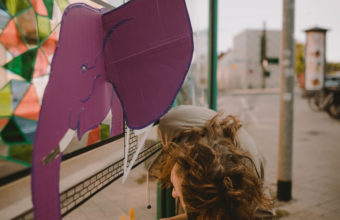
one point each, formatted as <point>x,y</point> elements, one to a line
<point>213,165</point>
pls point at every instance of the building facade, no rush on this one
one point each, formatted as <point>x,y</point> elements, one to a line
<point>242,66</point>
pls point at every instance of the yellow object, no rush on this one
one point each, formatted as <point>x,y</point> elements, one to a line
<point>5,101</point>
<point>132,214</point>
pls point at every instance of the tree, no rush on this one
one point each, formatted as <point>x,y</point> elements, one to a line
<point>299,58</point>
<point>332,67</point>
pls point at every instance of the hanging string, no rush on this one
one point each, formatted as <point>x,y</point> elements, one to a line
<point>126,148</point>
<point>148,188</point>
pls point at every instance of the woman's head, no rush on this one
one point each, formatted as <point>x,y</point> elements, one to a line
<point>211,175</point>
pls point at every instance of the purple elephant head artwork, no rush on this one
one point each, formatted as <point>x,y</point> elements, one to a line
<point>131,61</point>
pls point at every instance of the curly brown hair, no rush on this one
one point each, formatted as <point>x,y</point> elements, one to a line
<point>219,180</point>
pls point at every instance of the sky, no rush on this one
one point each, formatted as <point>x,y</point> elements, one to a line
<point>238,15</point>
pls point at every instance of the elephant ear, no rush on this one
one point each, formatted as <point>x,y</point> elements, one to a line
<point>148,48</point>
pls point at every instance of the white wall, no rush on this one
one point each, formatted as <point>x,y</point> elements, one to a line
<point>241,67</point>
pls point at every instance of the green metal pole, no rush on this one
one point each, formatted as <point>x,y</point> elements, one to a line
<point>165,202</point>
<point>159,201</point>
<point>170,203</point>
<point>212,87</point>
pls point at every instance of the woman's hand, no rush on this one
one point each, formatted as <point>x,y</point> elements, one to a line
<point>177,217</point>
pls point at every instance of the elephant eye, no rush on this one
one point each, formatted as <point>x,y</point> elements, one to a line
<point>83,68</point>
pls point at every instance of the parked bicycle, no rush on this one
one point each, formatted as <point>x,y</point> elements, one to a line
<point>328,98</point>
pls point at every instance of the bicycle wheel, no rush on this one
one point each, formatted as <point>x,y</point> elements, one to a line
<point>325,99</point>
<point>314,102</point>
<point>334,111</point>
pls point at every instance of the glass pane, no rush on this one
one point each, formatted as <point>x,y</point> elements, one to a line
<point>3,5</point>
<point>21,152</point>
<point>19,89</point>
<point>16,6</point>
<point>23,65</point>
<point>29,107</point>
<point>27,26</point>
<point>94,136</point>
<point>44,27</point>
<point>39,7</point>
<point>49,7</point>
<point>62,4</point>
<point>4,18</point>
<point>41,64</point>
<point>11,39</point>
<point>3,122</point>
<point>27,127</point>
<point>50,44</point>
<point>5,101</point>
<point>40,85</point>
<point>56,18</point>
<point>11,133</point>
<point>104,131</point>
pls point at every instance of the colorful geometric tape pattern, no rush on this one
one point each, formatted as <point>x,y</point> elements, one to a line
<point>29,32</point>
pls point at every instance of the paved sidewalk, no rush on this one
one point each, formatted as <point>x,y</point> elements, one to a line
<point>116,200</point>
<point>316,162</point>
<point>316,154</point>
